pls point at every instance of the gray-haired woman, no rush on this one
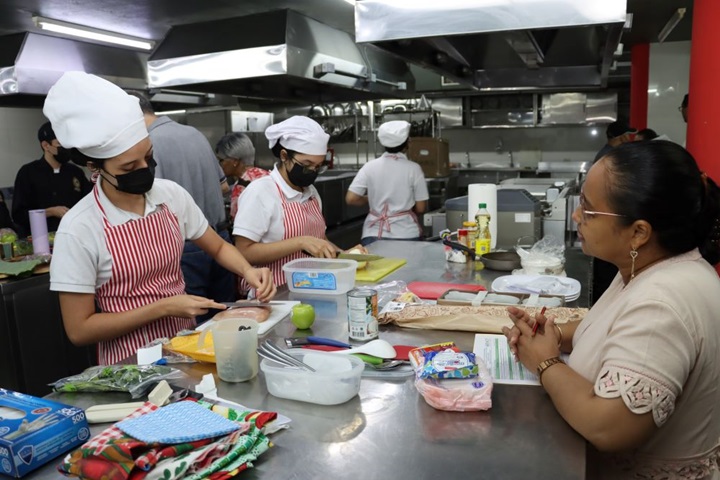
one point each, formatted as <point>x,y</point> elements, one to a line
<point>237,159</point>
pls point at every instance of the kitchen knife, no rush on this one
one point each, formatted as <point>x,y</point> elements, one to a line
<point>300,341</point>
<point>246,304</point>
<point>360,257</point>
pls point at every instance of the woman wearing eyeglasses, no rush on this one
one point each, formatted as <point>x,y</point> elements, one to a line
<point>279,217</point>
<point>641,382</point>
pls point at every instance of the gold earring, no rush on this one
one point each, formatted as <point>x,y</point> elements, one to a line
<point>633,256</point>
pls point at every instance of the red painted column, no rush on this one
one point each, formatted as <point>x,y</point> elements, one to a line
<point>704,105</point>
<point>639,76</point>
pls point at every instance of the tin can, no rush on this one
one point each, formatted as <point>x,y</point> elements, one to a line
<point>362,309</point>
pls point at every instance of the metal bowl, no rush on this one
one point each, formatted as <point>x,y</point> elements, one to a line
<point>501,261</point>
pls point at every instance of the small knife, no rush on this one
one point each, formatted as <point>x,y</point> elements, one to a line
<point>300,341</point>
<point>245,304</point>
<point>360,257</point>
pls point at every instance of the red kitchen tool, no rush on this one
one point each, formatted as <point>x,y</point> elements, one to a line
<point>434,290</point>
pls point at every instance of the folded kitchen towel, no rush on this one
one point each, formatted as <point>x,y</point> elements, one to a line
<point>177,423</point>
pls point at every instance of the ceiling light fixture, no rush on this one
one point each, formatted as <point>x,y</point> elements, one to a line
<point>671,24</point>
<point>351,2</point>
<point>90,33</point>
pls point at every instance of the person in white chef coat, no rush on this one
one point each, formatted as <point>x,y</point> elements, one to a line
<point>120,247</point>
<point>393,186</point>
<point>279,217</point>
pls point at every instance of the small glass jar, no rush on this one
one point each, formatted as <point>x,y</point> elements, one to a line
<point>472,232</point>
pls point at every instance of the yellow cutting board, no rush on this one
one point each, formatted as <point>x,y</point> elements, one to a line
<point>377,269</point>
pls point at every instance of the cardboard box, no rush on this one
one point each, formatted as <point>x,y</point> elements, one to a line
<point>433,155</point>
<point>34,431</point>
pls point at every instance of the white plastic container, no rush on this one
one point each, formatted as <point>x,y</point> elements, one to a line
<point>320,275</point>
<point>326,386</point>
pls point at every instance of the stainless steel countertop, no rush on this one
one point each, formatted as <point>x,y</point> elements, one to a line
<point>388,431</point>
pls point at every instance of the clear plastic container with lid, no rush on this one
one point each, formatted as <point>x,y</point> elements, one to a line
<point>328,276</point>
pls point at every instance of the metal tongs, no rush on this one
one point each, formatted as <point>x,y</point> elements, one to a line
<point>271,352</point>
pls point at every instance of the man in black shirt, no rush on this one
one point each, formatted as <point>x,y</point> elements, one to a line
<point>50,183</point>
<point>617,133</point>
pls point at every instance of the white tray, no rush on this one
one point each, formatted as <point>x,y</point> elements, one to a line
<point>278,311</point>
<point>542,284</point>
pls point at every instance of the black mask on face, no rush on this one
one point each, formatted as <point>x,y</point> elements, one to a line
<point>62,156</point>
<point>138,181</point>
<point>299,177</point>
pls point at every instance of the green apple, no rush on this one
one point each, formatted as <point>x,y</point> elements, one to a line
<point>303,315</point>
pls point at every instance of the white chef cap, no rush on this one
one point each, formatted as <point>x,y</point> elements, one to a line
<point>300,134</point>
<point>94,116</point>
<point>394,133</point>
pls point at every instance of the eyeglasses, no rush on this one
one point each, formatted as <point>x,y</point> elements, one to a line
<point>322,168</point>
<point>586,215</point>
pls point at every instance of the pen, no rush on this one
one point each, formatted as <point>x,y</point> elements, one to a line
<point>537,324</point>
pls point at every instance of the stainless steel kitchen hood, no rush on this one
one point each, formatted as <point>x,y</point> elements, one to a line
<point>277,56</point>
<point>500,45</point>
<point>31,63</point>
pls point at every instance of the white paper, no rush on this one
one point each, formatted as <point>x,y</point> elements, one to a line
<point>493,349</point>
<point>149,355</point>
<point>207,385</point>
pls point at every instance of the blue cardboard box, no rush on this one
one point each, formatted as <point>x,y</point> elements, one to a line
<point>34,431</point>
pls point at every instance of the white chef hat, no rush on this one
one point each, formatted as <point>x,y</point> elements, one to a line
<point>94,116</point>
<point>394,133</point>
<point>300,134</point>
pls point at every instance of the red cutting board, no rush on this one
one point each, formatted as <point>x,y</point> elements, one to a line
<point>434,290</point>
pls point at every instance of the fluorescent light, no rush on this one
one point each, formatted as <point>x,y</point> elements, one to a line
<point>671,24</point>
<point>351,2</point>
<point>594,132</point>
<point>91,33</point>
<point>171,112</point>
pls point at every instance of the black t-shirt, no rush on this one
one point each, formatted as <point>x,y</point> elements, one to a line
<point>38,186</point>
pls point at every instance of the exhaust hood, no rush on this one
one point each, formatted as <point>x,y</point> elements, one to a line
<point>276,56</point>
<point>499,45</point>
<point>31,63</point>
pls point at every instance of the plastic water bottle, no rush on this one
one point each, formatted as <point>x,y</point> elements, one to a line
<point>483,241</point>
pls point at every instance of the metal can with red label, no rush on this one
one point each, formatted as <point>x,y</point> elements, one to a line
<point>362,310</point>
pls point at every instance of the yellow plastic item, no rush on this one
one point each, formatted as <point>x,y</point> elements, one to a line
<point>188,345</point>
<point>378,269</point>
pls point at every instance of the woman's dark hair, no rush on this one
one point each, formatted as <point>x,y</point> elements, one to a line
<point>397,149</point>
<point>660,182</point>
<point>277,148</point>
<point>81,159</point>
<point>647,134</point>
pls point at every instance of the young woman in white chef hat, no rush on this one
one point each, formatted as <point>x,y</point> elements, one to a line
<point>279,217</point>
<point>393,186</point>
<point>120,246</point>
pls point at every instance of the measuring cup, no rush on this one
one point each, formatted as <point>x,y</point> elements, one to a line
<point>235,345</point>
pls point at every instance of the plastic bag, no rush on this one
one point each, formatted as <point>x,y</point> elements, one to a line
<point>169,355</point>
<point>387,292</point>
<point>134,379</point>
<point>545,257</point>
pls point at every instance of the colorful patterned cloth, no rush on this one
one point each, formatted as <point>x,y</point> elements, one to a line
<point>112,455</point>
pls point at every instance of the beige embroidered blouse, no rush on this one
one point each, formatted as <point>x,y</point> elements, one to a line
<point>656,344</point>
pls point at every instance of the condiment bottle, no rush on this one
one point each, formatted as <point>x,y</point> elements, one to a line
<point>484,240</point>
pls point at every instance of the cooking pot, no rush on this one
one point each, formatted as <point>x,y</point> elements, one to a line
<point>501,261</point>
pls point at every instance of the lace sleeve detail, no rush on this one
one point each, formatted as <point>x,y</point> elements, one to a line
<point>640,393</point>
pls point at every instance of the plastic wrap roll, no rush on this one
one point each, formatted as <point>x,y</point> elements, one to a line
<point>484,193</point>
<point>39,231</point>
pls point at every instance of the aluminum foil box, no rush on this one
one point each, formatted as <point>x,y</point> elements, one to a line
<point>34,431</point>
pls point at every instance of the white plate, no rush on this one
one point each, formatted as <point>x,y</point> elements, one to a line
<point>278,311</point>
<point>542,284</point>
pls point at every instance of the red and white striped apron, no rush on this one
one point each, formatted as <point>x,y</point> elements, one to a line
<point>299,219</point>
<point>145,268</point>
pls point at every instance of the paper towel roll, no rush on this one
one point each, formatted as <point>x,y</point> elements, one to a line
<point>484,193</point>
<point>39,231</point>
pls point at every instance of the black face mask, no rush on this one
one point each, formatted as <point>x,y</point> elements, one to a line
<point>138,181</point>
<point>62,156</point>
<point>299,178</point>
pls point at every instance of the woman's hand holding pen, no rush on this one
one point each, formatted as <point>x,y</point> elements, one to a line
<point>531,340</point>
<point>261,280</point>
